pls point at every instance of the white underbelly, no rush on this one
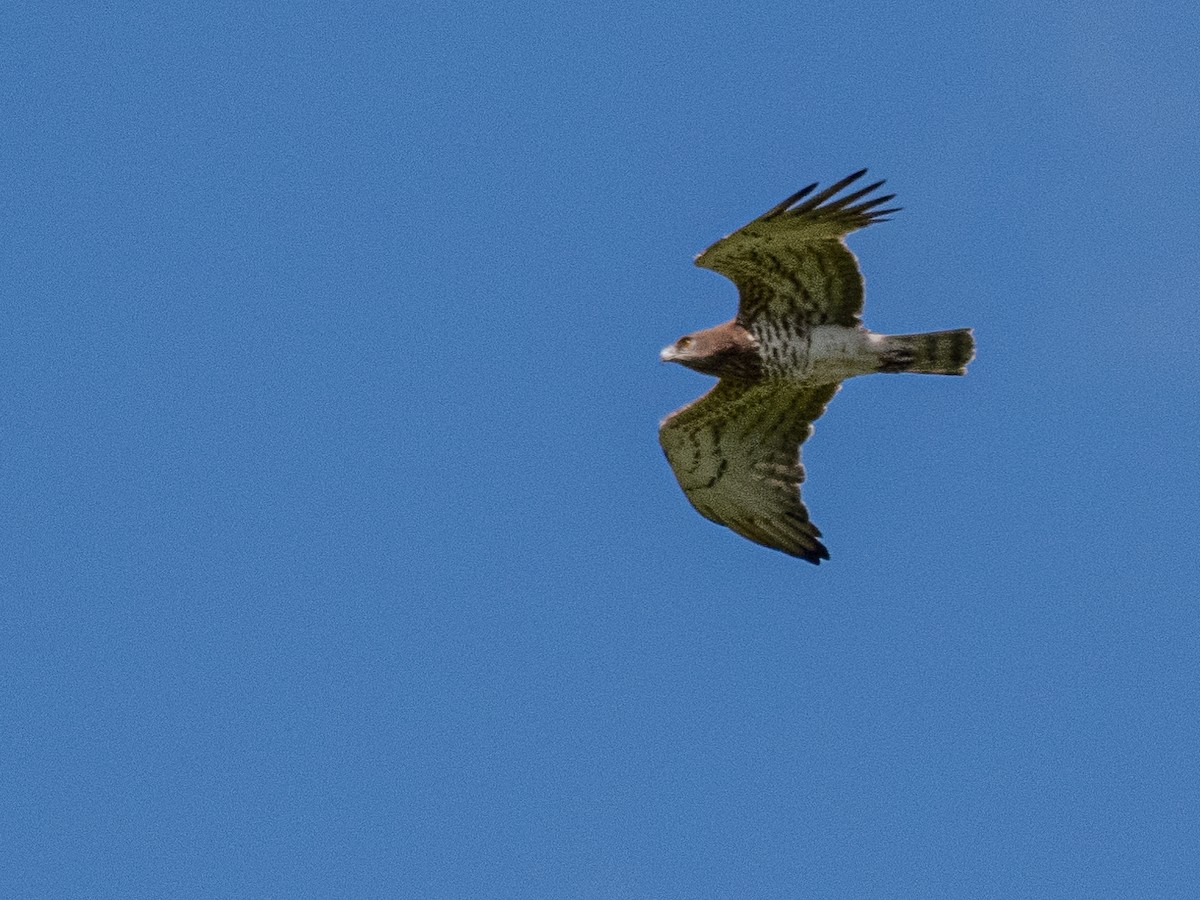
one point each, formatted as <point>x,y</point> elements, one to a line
<point>836,352</point>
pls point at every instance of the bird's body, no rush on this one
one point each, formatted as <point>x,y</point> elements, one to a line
<point>796,337</point>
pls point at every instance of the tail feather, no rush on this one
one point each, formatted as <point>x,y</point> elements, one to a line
<point>932,353</point>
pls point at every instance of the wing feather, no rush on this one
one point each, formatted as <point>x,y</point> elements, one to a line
<point>791,263</point>
<point>736,454</point>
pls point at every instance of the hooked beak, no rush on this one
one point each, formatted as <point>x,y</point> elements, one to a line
<point>667,354</point>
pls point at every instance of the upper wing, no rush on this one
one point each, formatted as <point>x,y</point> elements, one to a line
<point>736,453</point>
<point>791,263</point>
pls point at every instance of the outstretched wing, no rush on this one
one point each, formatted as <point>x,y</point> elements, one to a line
<point>736,454</point>
<point>791,264</point>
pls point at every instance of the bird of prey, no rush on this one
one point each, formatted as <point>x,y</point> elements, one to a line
<point>796,336</point>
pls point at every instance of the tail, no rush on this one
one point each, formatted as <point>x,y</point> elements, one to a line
<point>932,353</point>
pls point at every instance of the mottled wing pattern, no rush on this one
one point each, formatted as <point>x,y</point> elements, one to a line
<point>736,453</point>
<point>791,263</point>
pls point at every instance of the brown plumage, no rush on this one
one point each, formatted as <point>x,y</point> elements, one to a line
<point>796,336</point>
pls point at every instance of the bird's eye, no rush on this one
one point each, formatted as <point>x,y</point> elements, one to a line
<point>683,343</point>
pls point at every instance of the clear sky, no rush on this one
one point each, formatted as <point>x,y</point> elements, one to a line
<point>340,558</point>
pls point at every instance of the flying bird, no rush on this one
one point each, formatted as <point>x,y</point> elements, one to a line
<point>796,336</point>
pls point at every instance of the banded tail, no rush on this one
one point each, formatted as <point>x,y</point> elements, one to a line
<point>932,353</point>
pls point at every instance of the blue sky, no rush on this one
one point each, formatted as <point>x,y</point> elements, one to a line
<point>340,558</point>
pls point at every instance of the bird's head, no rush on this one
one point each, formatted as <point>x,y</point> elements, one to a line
<point>689,348</point>
<point>724,350</point>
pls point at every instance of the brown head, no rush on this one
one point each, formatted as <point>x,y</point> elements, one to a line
<point>726,350</point>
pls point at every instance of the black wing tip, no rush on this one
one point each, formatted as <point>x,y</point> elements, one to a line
<point>785,205</point>
<point>809,548</point>
<point>823,203</point>
<point>817,553</point>
<point>812,555</point>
